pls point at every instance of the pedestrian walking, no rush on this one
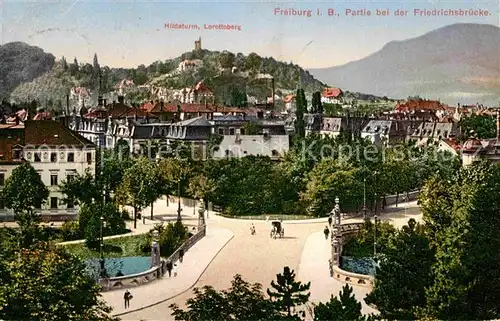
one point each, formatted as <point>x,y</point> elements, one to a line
<point>175,270</point>
<point>169,268</point>
<point>181,255</point>
<point>127,296</point>
<point>330,221</point>
<point>326,231</point>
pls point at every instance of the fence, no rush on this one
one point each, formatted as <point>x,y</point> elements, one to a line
<point>392,199</point>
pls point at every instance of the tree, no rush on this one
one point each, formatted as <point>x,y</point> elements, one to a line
<point>329,180</point>
<point>253,62</point>
<point>288,293</point>
<point>89,221</point>
<point>404,274</point>
<point>346,307</point>
<point>484,126</point>
<point>173,172</point>
<point>48,283</point>
<point>138,188</point>
<point>301,103</point>
<point>242,301</point>
<point>201,187</point>
<point>316,105</point>
<point>81,189</point>
<point>24,192</point>
<point>466,282</point>
<point>226,59</point>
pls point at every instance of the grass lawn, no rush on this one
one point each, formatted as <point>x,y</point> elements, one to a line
<point>117,247</point>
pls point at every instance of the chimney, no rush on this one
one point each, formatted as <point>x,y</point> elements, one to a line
<point>105,102</point>
<point>121,99</point>
<point>161,105</point>
<point>99,101</point>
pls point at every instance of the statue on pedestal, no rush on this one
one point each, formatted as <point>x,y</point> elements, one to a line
<point>201,215</point>
<point>155,250</point>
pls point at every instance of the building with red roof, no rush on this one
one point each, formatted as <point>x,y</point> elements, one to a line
<point>332,95</point>
<point>56,152</point>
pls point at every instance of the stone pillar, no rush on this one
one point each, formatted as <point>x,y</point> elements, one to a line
<point>155,250</point>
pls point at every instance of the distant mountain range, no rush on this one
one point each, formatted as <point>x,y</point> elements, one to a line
<point>455,63</point>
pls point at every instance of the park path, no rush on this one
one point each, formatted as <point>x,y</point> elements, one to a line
<point>258,258</point>
<point>196,260</point>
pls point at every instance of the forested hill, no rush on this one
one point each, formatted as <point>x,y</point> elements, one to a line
<point>223,72</point>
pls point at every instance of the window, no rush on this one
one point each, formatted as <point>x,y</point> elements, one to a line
<point>53,202</point>
<point>71,204</point>
<point>38,157</point>
<point>53,180</point>
<point>231,131</point>
<point>275,153</point>
<point>71,157</point>
<point>2,179</point>
<point>17,154</point>
<point>242,131</point>
<point>69,177</point>
<point>221,131</point>
<point>89,158</point>
<point>53,157</point>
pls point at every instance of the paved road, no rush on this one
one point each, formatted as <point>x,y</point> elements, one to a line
<point>258,258</point>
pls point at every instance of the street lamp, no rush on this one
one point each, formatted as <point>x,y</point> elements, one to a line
<point>364,199</point>
<point>101,261</point>
<point>179,209</point>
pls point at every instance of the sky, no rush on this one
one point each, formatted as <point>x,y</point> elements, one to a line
<point>130,33</point>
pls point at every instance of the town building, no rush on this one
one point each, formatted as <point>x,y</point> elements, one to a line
<point>332,96</point>
<point>57,154</point>
<point>385,132</point>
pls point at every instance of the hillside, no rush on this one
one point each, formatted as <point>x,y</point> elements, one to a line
<point>216,71</point>
<point>459,62</point>
<point>20,63</point>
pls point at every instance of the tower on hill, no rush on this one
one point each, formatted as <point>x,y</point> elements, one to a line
<point>197,44</point>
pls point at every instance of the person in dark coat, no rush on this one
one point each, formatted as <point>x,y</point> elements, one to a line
<point>170,266</point>
<point>330,220</point>
<point>326,231</point>
<point>127,296</point>
<point>181,255</point>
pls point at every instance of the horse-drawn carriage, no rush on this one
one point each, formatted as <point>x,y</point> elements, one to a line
<point>277,229</point>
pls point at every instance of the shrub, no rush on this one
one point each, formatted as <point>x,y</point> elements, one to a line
<point>70,230</point>
<point>171,237</point>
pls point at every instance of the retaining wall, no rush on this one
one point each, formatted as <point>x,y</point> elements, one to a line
<point>154,273</point>
<point>352,278</point>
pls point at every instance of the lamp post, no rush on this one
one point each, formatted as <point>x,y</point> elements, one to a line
<point>364,199</point>
<point>101,249</point>
<point>179,209</point>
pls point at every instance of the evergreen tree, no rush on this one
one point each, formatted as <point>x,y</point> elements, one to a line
<point>288,292</point>
<point>64,63</point>
<point>317,107</point>
<point>301,102</point>
<point>345,307</point>
<point>95,65</point>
